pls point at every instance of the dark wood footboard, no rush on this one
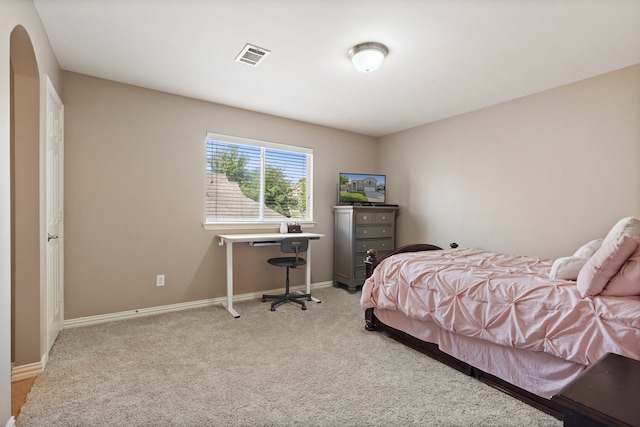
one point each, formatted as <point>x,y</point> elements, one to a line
<point>372,323</point>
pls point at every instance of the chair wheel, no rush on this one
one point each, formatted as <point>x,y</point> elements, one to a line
<point>304,307</point>
<point>273,308</point>
<point>264,299</point>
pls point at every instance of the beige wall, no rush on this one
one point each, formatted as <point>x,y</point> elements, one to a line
<point>539,175</point>
<point>26,220</point>
<point>134,196</point>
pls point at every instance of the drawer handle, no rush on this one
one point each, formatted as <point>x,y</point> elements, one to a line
<point>364,232</point>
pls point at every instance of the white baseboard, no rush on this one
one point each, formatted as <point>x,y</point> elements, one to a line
<point>29,370</point>
<point>23,372</point>
<point>122,315</point>
<point>11,422</point>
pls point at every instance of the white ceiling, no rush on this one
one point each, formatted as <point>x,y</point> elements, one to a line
<point>446,57</point>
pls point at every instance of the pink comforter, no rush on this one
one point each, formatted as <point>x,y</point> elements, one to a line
<point>505,299</point>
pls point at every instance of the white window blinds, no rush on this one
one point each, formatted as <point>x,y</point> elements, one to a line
<point>257,181</point>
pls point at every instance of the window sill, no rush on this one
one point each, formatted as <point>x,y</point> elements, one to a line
<point>266,227</point>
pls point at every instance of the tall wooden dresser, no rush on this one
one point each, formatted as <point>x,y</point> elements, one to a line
<point>356,230</point>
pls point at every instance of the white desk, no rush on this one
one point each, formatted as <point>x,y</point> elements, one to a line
<point>230,239</point>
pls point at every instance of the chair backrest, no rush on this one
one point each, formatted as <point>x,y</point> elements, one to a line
<point>294,245</point>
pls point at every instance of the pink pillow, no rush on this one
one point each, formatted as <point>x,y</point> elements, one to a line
<point>627,281</point>
<point>604,264</point>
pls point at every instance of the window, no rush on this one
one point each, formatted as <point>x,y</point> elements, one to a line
<point>250,181</point>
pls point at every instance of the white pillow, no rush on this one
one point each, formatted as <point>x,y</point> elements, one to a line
<point>567,268</point>
<point>629,226</point>
<point>588,249</point>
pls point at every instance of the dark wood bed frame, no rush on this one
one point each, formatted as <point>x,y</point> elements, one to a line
<point>374,324</point>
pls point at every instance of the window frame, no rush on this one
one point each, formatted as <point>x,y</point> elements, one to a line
<point>263,223</point>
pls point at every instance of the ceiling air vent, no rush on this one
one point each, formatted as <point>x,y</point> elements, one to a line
<point>252,55</point>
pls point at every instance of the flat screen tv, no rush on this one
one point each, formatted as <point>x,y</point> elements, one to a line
<point>357,188</point>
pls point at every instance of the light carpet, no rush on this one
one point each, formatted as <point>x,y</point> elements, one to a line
<point>202,367</point>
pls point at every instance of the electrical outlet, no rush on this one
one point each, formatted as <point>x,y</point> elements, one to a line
<point>160,280</point>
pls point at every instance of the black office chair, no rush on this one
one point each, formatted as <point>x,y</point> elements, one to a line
<point>289,245</point>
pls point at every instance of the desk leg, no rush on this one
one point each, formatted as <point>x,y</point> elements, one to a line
<point>308,275</point>
<point>230,280</point>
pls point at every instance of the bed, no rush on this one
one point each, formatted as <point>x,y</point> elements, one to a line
<point>526,325</point>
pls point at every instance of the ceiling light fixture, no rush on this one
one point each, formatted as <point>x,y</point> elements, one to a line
<point>368,57</point>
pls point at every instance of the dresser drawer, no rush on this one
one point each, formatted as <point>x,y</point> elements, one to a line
<point>360,273</point>
<point>373,232</point>
<point>362,246</point>
<point>365,217</point>
<point>386,217</point>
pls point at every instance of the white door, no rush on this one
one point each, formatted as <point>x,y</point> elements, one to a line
<point>53,173</point>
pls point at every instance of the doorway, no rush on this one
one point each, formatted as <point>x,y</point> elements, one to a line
<point>36,174</point>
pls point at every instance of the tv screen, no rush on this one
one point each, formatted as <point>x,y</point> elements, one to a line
<point>362,188</point>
